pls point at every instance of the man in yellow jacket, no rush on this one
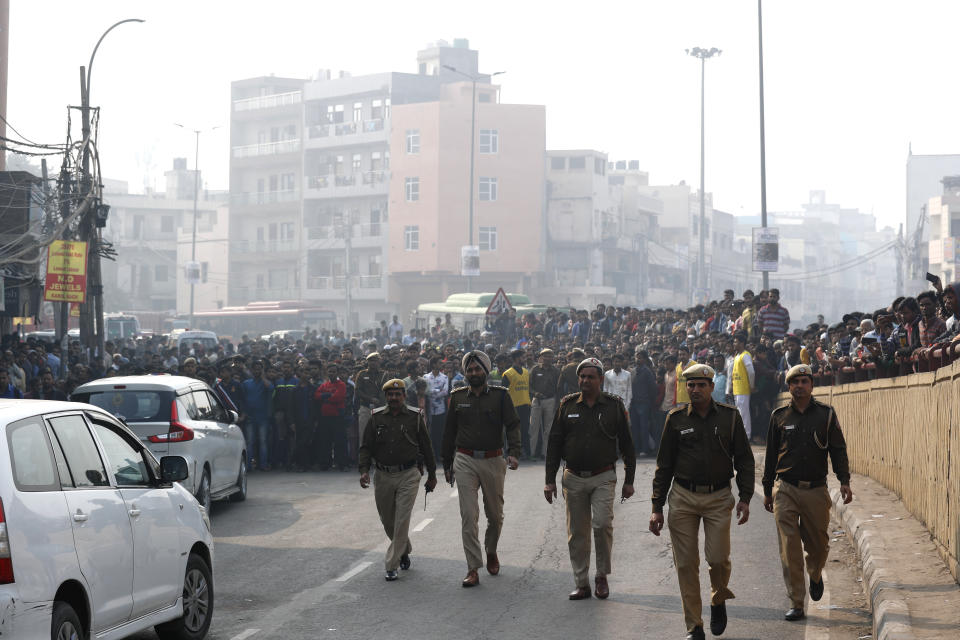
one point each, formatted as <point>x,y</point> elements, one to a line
<point>743,378</point>
<point>517,381</point>
<point>683,362</point>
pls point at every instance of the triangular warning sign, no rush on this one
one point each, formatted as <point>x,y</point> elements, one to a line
<point>499,304</point>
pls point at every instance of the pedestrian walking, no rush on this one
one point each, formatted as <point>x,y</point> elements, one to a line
<point>397,439</point>
<point>517,381</point>
<point>743,377</point>
<point>802,434</point>
<point>544,377</point>
<point>588,429</point>
<point>369,384</point>
<point>472,452</point>
<point>703,443</point>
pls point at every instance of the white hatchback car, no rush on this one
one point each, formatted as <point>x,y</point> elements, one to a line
<point>97,538</point>
<point>175,415</point>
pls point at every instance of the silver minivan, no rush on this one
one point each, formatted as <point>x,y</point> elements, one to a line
<point>176,415</point>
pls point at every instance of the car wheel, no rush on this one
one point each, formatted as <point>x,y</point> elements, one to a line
<point>197,604</point>
<point>66,623</point>
<point>203,493</point>
<point>241,493</point>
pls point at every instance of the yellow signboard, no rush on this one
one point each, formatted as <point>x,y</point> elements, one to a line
<point>66,272</point>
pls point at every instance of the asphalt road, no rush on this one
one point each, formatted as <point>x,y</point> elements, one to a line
<point>303,558</point>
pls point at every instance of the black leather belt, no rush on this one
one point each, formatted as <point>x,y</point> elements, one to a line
<point>396,468</point>
<point>804,484</point>
<point>595,472</point>
<point>702,488</point>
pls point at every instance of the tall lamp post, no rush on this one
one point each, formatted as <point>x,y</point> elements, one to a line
<point>91,325</point>
<point>703,54</point>
<point>763,145</point>
<point>473,138</point>
<point>196,191</point>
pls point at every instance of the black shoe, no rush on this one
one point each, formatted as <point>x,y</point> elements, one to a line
<point>405,561</point>
<point>793,614</point>
<point>391,575</point>
<point>816,589</point>
<point>718,618</point>
<point>696,634</point>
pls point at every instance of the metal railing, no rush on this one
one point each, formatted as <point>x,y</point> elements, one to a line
<point>333,231</point>
<point>267,102</point>
<point>265,197</point>
<point>368,178</point>
<point>327,130</point>
<point>266,246</point>
<point>267,148</point>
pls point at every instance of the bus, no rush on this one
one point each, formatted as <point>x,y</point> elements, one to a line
<point>468,311</point>
<point>259,318</point>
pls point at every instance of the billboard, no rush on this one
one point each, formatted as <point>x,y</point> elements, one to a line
<point>766,248</point>
<point>66,279</point>
<point>470,260</point>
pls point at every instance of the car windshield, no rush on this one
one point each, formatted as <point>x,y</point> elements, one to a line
<point>130,405</point>
<point>208,344</point>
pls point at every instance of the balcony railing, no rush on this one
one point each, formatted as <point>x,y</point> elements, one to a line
<point>265,197</point>
<point>345,128</point>
<point>340,282</point>
<point>267,102</point>
<point>266,246</point>
<point>267,148</point>
<point>368,178</point>
<point>333,232</point>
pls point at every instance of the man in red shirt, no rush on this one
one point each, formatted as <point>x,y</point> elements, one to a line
<point>331,397</point>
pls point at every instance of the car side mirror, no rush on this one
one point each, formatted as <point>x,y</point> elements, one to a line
<point>173,469</point>
<point>234,416</point>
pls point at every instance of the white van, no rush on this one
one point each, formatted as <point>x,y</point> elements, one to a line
<point>206,339</point>
<point>97,538</point>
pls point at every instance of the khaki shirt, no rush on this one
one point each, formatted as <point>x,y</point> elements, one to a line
<point>370,387</point>
<point>569,382</point>
<point>477,422</point>
<point>394,439</point>
<point>703,451</point>
<point>587,437</point>
<point>798,443</point>
<point>543,381</point>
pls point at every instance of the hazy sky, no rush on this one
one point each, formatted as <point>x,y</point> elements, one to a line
<point>848,83</point>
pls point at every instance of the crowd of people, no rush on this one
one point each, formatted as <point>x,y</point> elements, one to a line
<point>303,404</point>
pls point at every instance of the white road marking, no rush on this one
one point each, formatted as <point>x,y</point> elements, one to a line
<point>357,569</point>
<point>246,634</point>
<point>817,627</point>
<point>423,524</point>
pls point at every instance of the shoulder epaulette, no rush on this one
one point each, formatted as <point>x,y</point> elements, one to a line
<point>458,389</point>
<point>781,408</point>
<point>612,396</point>
<point>569,396</point>
<point>726,406</point>
<point>498,386</point>
<point>416,410</point>
<point>378,410</point>
<point>675,410</point>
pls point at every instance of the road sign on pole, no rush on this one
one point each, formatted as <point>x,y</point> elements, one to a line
<point>499,304</point>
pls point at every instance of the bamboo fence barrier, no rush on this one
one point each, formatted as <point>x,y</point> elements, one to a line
<point>905,433</point>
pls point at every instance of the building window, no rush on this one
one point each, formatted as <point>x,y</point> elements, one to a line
<point>411,238</point>
<point>160,273</point>
<point>376,109</point>
<point>357,111</point>
<point>488,189</point>
<point>599,167</point>
<point>412,189</point>
<point>413,140</point>
<point>338,114</point>
<point>356,163</point>
<point>488,238</point>
<point>166,224</point>
<point>578,162</point>
<point>376,162</point>
<point>489,141</point>
<point>483,96</point>
<point>286,231</point>
<point>558,163</point>
<point>287,182</point>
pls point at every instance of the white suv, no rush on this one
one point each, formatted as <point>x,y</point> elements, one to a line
<point>175,415</point>
<point>97,538</point>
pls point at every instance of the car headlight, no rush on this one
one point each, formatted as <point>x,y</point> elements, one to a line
<point>206,518</point>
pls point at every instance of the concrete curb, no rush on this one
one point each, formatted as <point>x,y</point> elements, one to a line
<point>891,613</point>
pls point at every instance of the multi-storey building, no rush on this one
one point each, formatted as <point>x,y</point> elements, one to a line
<point>944,225</point>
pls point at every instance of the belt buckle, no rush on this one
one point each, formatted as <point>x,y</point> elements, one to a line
<point>479,454</point>
<point>803,484</point>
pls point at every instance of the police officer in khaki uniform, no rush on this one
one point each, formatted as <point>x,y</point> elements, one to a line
<point>587,429</point>
<point>703,443</point>
<point>473,452</point>
<point>369,383</point>
<point>568,382</point>
<point>543,400</point>
<point>801,435</point>
<point>397,436</point>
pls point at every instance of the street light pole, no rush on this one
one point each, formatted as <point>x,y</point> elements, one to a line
<point>91,325</point>
<point>473,140</point>
<point>763,146</point>
<point>196,191</point>
<point>702,54</point>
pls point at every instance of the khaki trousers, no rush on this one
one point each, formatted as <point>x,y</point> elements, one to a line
<point>395,494</point>
<point>541,417</point>
<point>802,517</point>
<point>687,509</point>
<point>589,503</point>
<point>363,415</point>
<point>487,475</point>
